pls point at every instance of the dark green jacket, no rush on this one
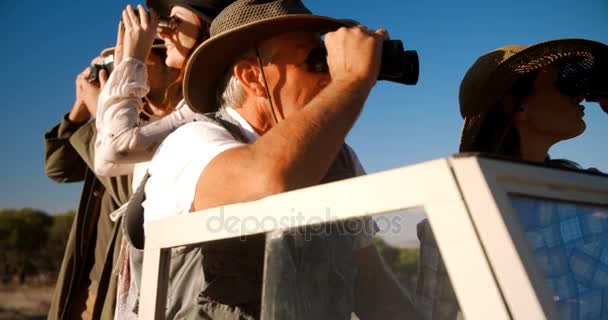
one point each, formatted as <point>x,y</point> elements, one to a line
<point>69,157</point>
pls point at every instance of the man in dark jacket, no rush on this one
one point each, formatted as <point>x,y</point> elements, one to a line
<point>86,286</point>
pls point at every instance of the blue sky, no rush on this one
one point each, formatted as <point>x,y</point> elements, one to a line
<point>47,43</point>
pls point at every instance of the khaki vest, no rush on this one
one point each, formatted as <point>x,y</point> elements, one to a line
<point>223,279</point>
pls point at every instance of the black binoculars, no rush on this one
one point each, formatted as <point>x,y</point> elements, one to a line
<point>107,64</point>
<point>587,78</point>
<point>398,65</point>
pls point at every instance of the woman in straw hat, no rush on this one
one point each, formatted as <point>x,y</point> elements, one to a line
<point>129,130</point>
<point>518,102</point>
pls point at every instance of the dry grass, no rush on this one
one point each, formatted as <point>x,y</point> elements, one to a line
<point>25,302</point>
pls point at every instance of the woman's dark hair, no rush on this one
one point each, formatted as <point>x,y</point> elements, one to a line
<point>498,135</point>
<point>174,94</point>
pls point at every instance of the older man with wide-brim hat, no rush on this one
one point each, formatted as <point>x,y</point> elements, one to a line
<point>276,122</point>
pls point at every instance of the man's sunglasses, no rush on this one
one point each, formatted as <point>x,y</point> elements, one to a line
<point>316,60</point>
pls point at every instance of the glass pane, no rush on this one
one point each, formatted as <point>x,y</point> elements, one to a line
<point>406,242</point>
<point>319,272</point>
<point>570,243</point>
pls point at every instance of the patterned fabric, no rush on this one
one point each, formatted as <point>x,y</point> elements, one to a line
<point>570,244</point>
<point>435,298</point>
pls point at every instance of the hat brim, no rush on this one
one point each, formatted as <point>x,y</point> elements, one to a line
<point>534,57</point>
<point>208,64</point>
<point>163,8</point>
<point>110,51</point>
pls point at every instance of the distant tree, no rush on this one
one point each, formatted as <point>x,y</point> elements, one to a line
<point>59,231</point>
<point>23,234</point>
<point>402,261</point>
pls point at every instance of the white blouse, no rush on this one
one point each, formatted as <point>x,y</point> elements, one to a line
<point>122,139</point>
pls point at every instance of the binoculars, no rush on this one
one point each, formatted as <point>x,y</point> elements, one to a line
<point>398,65</point>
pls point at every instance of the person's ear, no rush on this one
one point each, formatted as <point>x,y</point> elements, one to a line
<point>249,75</point>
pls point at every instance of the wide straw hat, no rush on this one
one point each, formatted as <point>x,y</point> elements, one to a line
<point>494,73</point>
<point>237,29</point>
<point>204,9</point>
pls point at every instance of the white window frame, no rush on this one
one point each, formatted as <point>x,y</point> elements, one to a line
<point>486,186</point>
<point>465,200</point>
